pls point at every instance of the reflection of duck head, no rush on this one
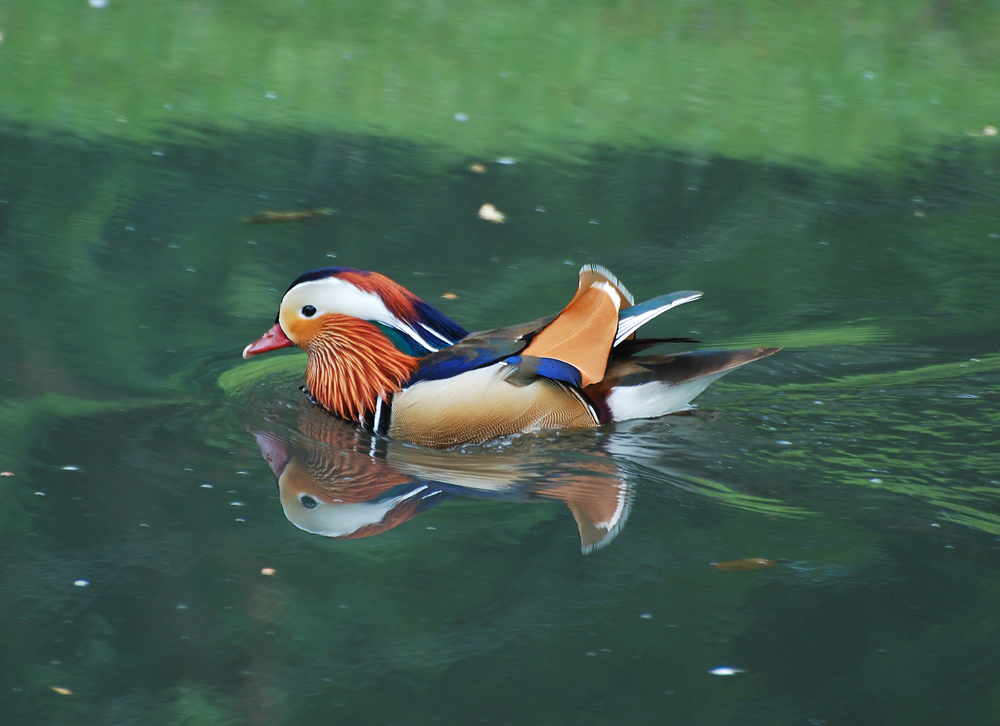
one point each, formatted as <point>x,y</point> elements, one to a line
<point>342,493</point>
<point>339,482</point>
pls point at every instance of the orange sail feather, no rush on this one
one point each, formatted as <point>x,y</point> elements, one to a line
<point>583,333</point>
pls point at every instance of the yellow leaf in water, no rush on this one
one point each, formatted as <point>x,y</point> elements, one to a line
<point>267,571</point>
<point>491,214</point>
<point>450,296</point>
<point>272,217</point>
<point>753,563</point>
<point>61,691</point>
<point>478,168</point>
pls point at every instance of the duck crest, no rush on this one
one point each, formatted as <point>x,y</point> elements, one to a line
<point>398,300</point>
<point>352,364</point>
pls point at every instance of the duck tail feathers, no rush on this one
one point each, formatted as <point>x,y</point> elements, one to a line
<point>633,318</point>
<point>657,385</point>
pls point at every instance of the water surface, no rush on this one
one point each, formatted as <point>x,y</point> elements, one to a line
<point>152,569</point>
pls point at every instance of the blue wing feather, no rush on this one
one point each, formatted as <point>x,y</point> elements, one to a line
<point>437,366</point>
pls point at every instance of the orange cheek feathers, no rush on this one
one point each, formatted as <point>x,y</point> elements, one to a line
<point>302,331</point>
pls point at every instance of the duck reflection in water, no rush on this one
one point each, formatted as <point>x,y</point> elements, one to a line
<point>340,482</point>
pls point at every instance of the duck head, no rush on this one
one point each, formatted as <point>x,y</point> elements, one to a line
<point>363,333</point>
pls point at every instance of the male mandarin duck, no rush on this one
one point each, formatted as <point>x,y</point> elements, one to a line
<point>381,356</point>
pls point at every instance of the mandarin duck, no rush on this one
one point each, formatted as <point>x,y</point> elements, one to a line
<point>334,481</point>
<point>380,356</point>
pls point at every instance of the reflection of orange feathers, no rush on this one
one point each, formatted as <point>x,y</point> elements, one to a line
<point>583,333</point>
<point>336,476</point>
<point>352,364</point>
<point>598,498</point>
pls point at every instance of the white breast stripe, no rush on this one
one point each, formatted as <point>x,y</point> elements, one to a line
<point>436,334</point>
<point>400,325</point>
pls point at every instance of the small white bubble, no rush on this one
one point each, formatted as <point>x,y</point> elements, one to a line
<point>98,3</point>
<point>271,95</point>
<point>81,583</point>
<point>869,75</point>
<point>236,504</point>
<point>461,117</point>
<point>646,616</point>
<point>875,480</point>
<point>506,161</point>
<point>726,671</point>
<point>784,442</point>
<point>240,519</point>
<point>70,467</point>
<point>206,486</point>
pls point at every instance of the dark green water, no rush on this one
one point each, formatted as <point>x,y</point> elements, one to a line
<point>864,457</point>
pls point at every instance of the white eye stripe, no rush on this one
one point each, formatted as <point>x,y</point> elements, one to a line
<point>332,295</point>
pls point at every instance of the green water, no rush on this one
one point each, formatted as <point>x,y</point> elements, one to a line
<point>739,149</point>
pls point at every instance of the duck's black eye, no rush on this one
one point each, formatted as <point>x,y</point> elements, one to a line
<point>308,311</point>
<point>308,502</point>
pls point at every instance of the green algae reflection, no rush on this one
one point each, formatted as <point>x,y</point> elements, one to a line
<point>828,83</point>
<point>928,433</point>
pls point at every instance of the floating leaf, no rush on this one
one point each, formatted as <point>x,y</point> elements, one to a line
<point>751,563</point>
